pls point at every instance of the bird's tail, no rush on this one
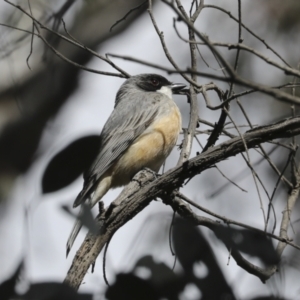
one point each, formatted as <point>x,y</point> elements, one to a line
<point>72,237</point>
<point>101,190</point>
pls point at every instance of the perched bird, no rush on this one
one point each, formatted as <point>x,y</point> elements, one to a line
<point>140,133</point>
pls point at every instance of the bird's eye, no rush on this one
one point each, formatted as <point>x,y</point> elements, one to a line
<point>155,82</point>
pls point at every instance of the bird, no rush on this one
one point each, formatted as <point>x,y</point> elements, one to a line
<point>140,133</point>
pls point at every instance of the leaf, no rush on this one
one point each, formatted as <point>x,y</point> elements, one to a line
<point>7,288</point>
<point>70,163</point>
<point>166,283</point>
<point>129,286</point>
<point>53,291</point>
<point>248,242</point>
<point>192,249</point>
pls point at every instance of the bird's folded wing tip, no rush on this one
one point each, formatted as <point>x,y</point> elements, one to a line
<point>68,251</point>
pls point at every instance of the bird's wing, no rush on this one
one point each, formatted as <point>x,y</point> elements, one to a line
<point>124,125</point>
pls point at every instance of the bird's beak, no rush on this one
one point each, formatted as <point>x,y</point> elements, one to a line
<point>177,87</point>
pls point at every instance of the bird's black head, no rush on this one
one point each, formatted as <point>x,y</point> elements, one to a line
<point>151,82</point>
<point>148,83</point>
<point>155,82</point>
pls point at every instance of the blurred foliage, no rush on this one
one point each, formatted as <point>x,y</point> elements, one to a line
<point>68,164</point>
<point>284,13</point>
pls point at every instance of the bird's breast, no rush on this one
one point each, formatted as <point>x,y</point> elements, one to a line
<point>152,147</point>
<point>168,126</point>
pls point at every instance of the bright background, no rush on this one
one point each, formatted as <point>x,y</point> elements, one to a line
<point>34,227</point>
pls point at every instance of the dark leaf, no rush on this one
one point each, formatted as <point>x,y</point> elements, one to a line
<point>129,286</point>
<point>249,242</point>
<point>54,291</point>
<point>7,288</point>
<point>269,298</point>
<point>166,283</point>
<point>192,249</point>
<point>70,163</point>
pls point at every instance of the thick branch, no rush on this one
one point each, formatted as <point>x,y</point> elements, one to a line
<point>286,218</point>
<point>119,212</point>
<point>140,192</point>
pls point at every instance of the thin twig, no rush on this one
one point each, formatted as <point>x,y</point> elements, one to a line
<point>285,240</point>
<point>122,74</point>
<point>193,121</point>
<point>163,43</point>
<point>127,14</point>
<point>285,97</point>
<point>31,48</point>
<point>254,174</point>
<point>104,262</point>
<point>247,29</point>
<point>215,166</point>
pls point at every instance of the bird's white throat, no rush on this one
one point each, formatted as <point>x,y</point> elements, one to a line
<point>166,90</point>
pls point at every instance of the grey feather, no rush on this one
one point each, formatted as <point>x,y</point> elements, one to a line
<point>71,239</point>
<point>127,122</point>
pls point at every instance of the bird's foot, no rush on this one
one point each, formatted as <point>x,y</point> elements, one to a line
<point>156,175</point>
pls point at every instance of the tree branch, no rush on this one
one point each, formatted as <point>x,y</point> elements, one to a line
<point>143,189</point>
